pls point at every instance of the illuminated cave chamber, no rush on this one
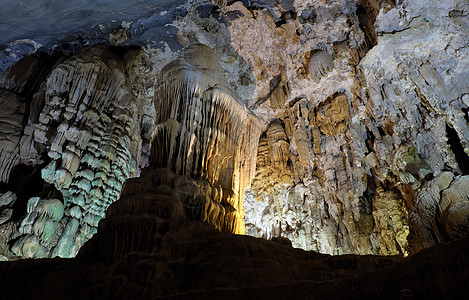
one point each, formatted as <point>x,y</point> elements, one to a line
<point>366,144</point>
<point>361,144</point>
<point>350,135</point>
<point>202,159</point>
<point>206,133</point>
<point>204,142</point>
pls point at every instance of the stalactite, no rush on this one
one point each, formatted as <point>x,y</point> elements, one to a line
<point>86,118</point>
<point>204,131</point>
<point>202,159</point>
<point>11,118</point>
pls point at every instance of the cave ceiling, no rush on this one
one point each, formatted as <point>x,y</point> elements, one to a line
<point>28,26</point>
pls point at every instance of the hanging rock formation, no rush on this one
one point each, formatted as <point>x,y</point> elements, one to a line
<point>372,99</point>
<point>196,172</point>
<point>337,126</point>
<point>84,121</point>
<point>11,118</point>
<point>206,133</point>
<point>17,84</point>
<point>147,248</point>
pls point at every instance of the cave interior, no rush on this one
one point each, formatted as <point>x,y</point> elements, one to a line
<point>223,149</point>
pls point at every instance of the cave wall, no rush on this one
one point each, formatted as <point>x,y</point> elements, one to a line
<point>205,132</point>
<point>86,132</point>
<point>365,122</point>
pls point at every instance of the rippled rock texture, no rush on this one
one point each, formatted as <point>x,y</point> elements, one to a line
<point>337,126</point>
<point>87,133</point>
<point>204,131</point>
<point>83,127</point>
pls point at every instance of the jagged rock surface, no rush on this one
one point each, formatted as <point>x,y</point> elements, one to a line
<point>363,108</point>
<point>16,87</point>
<point>89,124</point>
<point>11,118</point>
<point>362,148</point>
<point>7,200</point>
<point>368,133</point>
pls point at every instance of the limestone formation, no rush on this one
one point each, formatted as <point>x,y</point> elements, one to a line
<point>368,132</point>
<point>87,124</point>
<point>11,118</point>
<point>320,63</point>
<point>425,115</point>
<point>204,131</point>
<point>87,121</point>
<point>6,202</point>
<point>148,249</point>
<point>83,120</point>
<point>17,84</point>
<point>40,229</point>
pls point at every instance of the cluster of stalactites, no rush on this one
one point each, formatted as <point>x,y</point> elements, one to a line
<point>84,117</point>
<point>203,131</point>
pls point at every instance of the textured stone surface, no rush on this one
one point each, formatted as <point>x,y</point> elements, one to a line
<point>6,202</point>
<point>362,147</point>
<point>16,87</point>
<point>426,118</point>
<point>87,125</point>
<point>362,107</point>
<point>84,122</point>
<point>368,132</point>
<point>11,116</point>
<point>78,23</point>
<point>93,134</point>
<point>204,130</point>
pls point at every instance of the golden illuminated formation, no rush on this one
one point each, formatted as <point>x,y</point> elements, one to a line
<point>206,133</point>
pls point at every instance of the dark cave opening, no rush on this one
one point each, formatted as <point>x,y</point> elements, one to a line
<point>457,148</point>
<point>466,113</point>
<point>365,206</point>
<point>369,141</point>
<point>366,19</point>
<point>26,182</point>
<point>287,15</point>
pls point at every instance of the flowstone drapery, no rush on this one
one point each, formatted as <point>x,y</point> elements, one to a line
<point>205,132</point>
<point>373,98</point>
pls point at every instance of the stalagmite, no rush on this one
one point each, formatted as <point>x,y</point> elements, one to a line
<point>362,109</point>
<point>374,115</point>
